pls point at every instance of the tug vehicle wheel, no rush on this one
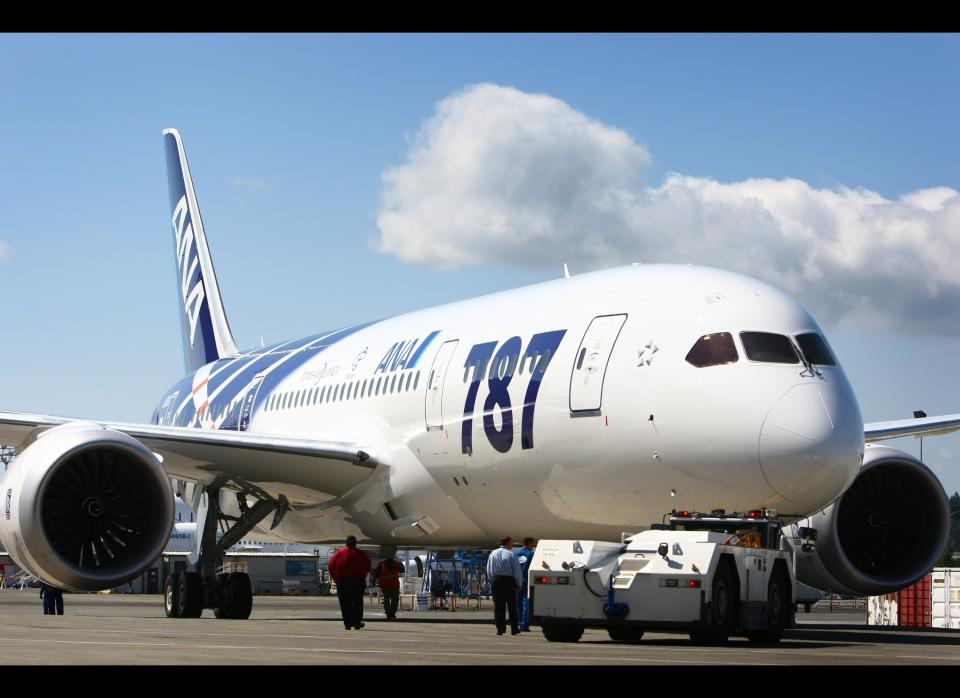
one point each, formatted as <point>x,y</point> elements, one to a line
<point>625,634</point>
<point>778,605</point>
<point>562,632</point>
<point>723,609</point>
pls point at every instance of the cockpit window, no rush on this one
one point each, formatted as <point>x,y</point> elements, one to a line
<point>815,348</point>
<point>769,348</point>
<point>713,350</point>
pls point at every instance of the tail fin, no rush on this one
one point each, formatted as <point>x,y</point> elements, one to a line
<point>206,332</point>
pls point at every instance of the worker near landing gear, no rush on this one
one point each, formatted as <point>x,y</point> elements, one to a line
<point>349,568</point>
<point>387,575</point>
<point>52,600</point>
<point>524,556</point>
<point>503,570</point>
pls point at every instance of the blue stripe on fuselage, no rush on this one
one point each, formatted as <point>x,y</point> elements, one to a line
<point>276,361</point>
<point>412,363</point>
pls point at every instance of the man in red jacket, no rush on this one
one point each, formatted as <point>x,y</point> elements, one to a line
<point>349,568</point>
<point>387,574</point>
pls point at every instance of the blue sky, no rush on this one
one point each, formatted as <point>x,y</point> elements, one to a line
<point>293,140</point>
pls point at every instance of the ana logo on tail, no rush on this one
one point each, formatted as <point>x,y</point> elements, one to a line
<point>191,281</point>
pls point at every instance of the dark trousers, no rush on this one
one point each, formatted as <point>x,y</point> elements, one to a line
<point>391,599</point>
<point>505,598</point>
<point>52,603</point>
<point>350,593</point>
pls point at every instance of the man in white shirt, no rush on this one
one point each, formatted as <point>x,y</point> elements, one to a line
<point>503,569</point>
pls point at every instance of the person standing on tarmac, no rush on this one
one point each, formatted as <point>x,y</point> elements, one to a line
<point>349,568</point>
<point>524,556</point>
<point>503,570</point>
<point>52,599</point>
<point>387,575</point>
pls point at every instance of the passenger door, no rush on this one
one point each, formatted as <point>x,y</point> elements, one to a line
<point>438,373</point>
<point>590,363</point>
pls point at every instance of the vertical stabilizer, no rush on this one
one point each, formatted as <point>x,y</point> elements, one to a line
<point>206,332</point>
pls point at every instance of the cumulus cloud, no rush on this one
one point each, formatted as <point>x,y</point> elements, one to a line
<point>500,176</point>
<point>5,251</point>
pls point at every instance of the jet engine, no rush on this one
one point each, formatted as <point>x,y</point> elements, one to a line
<point>85,508</point>
<point>885,532</point>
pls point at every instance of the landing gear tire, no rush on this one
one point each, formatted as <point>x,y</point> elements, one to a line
<point>237,596</point>
<point>625,634</point>
<point>778,604</point>
<point>170,596</point>
<point>189,599</point>
<point>223,610</point>
<point>723,609</point>
<point>562,632</point>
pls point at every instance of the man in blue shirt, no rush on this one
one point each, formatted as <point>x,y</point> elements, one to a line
<point>524,556</point>
<point>503,569</point>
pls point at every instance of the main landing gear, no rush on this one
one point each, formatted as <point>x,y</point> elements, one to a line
<point>229,594</point>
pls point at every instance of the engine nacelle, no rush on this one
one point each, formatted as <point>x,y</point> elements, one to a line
<point>85,508</point>
<point>881,535</point>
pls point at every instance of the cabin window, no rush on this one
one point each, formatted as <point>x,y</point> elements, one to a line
<point>583,353</point>
<point>713,350</point>
<point>816,349</point>
<point>767,347</point>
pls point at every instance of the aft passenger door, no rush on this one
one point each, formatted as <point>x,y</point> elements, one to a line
<point>246,408</point>
<point>590,363</point>
<point>438,373</point>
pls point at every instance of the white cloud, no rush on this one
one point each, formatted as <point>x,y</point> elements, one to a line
<point>252,183</point>
<point>5,251</point>
<point>501,176</point>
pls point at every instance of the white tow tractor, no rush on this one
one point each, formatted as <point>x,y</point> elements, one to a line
<point>709,575</point>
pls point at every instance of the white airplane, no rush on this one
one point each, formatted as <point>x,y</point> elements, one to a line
<point>183,539</point>
<point>577,408</point>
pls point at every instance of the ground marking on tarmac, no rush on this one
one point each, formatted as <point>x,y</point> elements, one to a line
<point>473,655</point>
<point>477,654</point>
<point>148,632</point>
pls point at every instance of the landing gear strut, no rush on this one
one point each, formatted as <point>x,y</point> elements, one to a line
<point>229,594</point>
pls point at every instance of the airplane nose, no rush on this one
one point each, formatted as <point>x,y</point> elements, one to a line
<point>811,445</point>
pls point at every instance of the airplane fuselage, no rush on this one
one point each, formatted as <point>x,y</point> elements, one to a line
<point>565,409</point>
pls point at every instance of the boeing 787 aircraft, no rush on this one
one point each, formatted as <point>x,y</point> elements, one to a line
<point>578,408</point>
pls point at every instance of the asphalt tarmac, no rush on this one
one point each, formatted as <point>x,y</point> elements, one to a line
<point>119,629</point>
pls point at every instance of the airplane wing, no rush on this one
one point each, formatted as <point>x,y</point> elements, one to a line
<point>310,466</point>
<point>924,426</point>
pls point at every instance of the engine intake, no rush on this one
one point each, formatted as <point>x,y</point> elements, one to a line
<point>87,508</point>
<point>884,533</point>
